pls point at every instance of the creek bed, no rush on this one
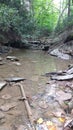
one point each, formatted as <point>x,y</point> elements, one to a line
<point>33,64</point>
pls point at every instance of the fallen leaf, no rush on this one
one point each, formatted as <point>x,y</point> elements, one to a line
<point>62,119</point>
<point>40,120</point>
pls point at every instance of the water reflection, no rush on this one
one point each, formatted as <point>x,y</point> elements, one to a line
<point>33,65</point>
<point>39,62</point>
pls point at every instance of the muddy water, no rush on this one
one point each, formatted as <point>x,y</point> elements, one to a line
<point>34,63</point>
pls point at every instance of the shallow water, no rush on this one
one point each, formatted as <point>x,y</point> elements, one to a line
<point>34,63</point>
<point>38,62</point>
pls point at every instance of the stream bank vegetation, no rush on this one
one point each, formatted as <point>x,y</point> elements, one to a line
<point>37,20</point>
<point>37,24</point>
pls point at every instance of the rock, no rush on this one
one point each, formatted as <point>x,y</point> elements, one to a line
<point>47,114</point>
<point>2,63</point>
<point>12,58</point>
<point>67,128</point>
<point>17,63</point>
<point>58,113</point>
<point>2,84</point>
<point>70,71</point>
<point>45,48</point>
<point>69,123</point>
<point>43,104</point>
<point>1,58</point>
<point>62,77</point>
<point>8,106</point>
<point>2,115</point>
<point>57,53</point>
<point>57,122</point>
<point>60,95</point>
<point>72,112</point>
<point>70,104</point>
<point>64,106</point>
<point>2,121</point>
<point>14,79</point>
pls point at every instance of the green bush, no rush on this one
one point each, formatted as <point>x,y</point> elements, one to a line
<point>9,19</point>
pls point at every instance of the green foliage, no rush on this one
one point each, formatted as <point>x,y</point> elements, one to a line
<point>9,19</point>
<point>41,19</point>
<point>68,22</point>
<point>45,14</point>
<point>19,21</point>
<point>65,17</point>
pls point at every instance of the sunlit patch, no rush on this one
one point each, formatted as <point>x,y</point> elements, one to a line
<point>57,2</point>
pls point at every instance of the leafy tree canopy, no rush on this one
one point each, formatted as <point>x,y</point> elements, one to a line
<point>35,17</point>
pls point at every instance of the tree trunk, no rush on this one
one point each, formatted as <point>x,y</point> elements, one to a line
<point>69,3</point>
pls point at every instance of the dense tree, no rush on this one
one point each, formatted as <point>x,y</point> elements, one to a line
<point>35,17</point>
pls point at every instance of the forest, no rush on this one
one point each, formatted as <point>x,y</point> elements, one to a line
<point>32,19</point>
<point>36,64</point>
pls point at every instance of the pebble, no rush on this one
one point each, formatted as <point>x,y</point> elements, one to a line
<point>17,63</point>
<point>14,79</point>
<point>12,58</point>
<point>1,58</point>
<point>2,84</point>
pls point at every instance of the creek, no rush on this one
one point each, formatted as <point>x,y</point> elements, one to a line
<point>34,63</point>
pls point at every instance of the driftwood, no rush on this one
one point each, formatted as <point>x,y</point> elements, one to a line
<point>29,112</point>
